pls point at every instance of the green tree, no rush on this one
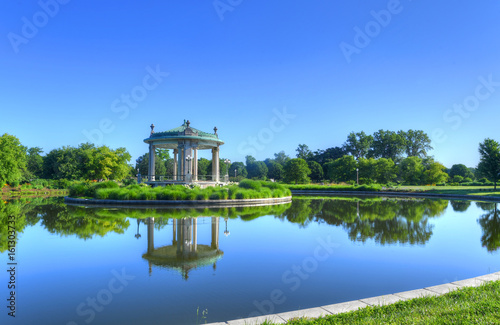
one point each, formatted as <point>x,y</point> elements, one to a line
<point>275,171</point>
<point>142,163</point>
<point>411,170</point>
<point>316,171</point>
<point>489,163</point>
<point>417,143</point>
<point>323,156</point>
<point>435,174</point>
<point>387,144</point>
<point>257,169</point>
<point>341,170</point>
<point>281,158</point>
<point>385,171</point>
<point>303,152</point>
<point>358,144</point>
<point>297,171</point>
<point>240,169</point>
<point>203,167</point>
<point>12,159</point>
<point>367,170</point>
<point>461,170</point>
<point>34,162</point>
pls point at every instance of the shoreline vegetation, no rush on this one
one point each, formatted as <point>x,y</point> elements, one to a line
<point>470,305</point>
<point>246,189</point>
<point>428,189</point>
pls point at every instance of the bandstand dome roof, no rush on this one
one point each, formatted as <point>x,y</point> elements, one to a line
<point>171,138</point>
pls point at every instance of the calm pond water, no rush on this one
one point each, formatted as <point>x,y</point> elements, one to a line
<point>159,266</point>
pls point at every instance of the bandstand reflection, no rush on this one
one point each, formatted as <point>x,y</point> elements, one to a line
<point>185,253</point>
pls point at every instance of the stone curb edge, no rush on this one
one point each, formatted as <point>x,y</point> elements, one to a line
<point>177,203</point>
<point>354,305</point>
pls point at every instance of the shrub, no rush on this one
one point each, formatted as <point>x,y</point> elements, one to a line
<point>78,189</point>
<point>249,184</point>
<point>215,196</point>
<point>104,194</point>
<point>129,181</point>
<point>147,194</point>
<point>91,191</point>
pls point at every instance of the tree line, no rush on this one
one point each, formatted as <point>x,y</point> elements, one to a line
<point>385,157</point>
<point>86,162</point>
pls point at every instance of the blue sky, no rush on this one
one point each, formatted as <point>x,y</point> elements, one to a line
<point>270,75</point>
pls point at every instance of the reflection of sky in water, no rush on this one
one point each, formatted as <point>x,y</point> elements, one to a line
<point>57,273</point>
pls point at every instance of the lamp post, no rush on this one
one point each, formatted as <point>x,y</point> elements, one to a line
<point>227,161</point>
<point>188,159</point>
<point>357,176</point>
<point>226,232</point>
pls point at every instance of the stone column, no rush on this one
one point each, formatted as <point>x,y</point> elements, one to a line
<point>174,226</point>
<point>215,233</point>
<point>215,164</point>
<point>179,163</point>
<point>195,235</point>
<point>195,164</point>
<point>151,169</point>
<point>176,152</point>
<point>151,234</point>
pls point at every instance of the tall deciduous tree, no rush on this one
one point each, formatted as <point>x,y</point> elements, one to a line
<point>411,170</point>
<point>238,169</point>
<point>460,170</point>
<point>297,171</point>
<point>257,169</point>
<point>281,158</point>
<point>342,169</point>
<point>358,144</point>
<point>12,159</point>
<point>387,144</point>
<point>417,143</point>
<point>303,152</point>
<point>35,162</point>
<point>489,163</point>
<point>316,171</point>
<point>323,156</point>
<point>435,174</point>
<point>275,170</point>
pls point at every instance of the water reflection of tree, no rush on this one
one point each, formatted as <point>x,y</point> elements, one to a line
<point>62,221</point>
<point>460,206</point>
<point>490,224</point>
<point>384,220</point>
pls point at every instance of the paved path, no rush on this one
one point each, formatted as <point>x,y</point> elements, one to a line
<point>343,307</point>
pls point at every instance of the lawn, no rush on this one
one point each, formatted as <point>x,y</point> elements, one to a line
<point>480,305</point>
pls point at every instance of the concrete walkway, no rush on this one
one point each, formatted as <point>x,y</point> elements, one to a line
<point>343,307</point>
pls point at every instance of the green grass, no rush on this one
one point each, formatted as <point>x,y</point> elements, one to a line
<point>373,187</point>
<point>458,190</point>
<point>479,305</point>
<point>247,189</point>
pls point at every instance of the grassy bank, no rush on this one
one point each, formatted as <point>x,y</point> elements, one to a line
<point>246,189</point>
<point>479,305</point>
<point>333,187</point>
<point>457,190</point>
